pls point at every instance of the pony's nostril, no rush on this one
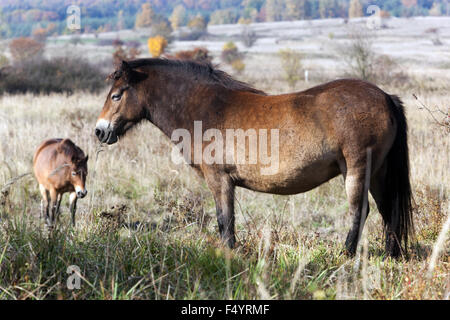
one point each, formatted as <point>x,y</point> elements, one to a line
<point>101,134</point>
<point>81,194</point>
<point>98,132</point>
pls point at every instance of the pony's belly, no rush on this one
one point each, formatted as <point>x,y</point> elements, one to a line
<point>288,180</point>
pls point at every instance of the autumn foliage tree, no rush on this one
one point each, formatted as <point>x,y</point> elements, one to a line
<point>226,16</point>
<point>23,49</point>
<point>41,33</point>
<point>198,23</point>
<point>274,9</point>
<point>144,18</point>
<point>196,28</point>
<point>178,17</point>
<point>355,9</point>
<point>436,9</point>
<point>156,45</point>
<point>21,17</point>
<point>409,3</point>
<point>295,9</point>
<point>161,27</point>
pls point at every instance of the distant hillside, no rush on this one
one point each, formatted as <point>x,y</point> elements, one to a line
<point>48,17</point>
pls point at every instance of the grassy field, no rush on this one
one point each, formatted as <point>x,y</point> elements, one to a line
<point>147,228</point>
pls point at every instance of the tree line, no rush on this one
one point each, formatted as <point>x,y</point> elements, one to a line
<point>48,17</point>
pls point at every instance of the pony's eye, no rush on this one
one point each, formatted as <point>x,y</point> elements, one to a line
<point>116,97</point>
<point>74,173</point>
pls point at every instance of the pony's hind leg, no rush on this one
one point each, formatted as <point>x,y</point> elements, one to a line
<point>379,192</point>
<point>356,194</point>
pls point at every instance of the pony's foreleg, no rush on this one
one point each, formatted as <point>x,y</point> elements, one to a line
<point>222,189</point>
<point>357,197</point>
<point>73,206</point>
<point>53,206</point>
<point>44,202</point>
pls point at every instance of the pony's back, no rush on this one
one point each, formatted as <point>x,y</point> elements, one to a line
<point>42,146</point>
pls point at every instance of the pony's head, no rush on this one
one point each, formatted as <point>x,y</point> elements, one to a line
<point>76,162</point>
<point>123,107</point>
<point>78,173</point>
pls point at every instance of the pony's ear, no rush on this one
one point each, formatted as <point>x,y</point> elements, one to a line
<point>77,161</point>
<point>64,146</point>
<point>130,75</point>
<point>125,67</point>
<point>127,71</point>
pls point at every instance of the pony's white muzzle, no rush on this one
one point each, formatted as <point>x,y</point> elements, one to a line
<point>105,132</point>
<point>81,193</point>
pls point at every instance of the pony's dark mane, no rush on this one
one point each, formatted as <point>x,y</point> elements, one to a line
<point>69,148</point>
<point>195,69</point>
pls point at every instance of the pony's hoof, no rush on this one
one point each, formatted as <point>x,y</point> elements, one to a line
<point>350,252</point>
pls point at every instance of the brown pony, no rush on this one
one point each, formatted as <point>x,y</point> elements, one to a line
<point>323,132</point>
<point>59,166</point>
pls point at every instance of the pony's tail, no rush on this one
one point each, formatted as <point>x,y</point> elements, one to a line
<point>399,225</point>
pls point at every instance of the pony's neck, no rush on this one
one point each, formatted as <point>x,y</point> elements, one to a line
<point>179,101</point>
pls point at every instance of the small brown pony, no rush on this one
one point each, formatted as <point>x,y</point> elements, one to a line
<point>59,166</point>
<point>323,132</point>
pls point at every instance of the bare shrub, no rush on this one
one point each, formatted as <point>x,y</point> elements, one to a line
<point>191,35</point>
<point>230,53</point>
<point>162,28</point>
<point>133,44</point>
<point>75,40</point>
<point>291,63</point>
<point>440,117</point>
<point>434,32</point>
<point>3,61</point>
<point>360,61</point>
<point>388,71</point>
<point>196,29</point>
<point>248,36</point>
<point>231,56</point>
<point>238,66</point>
<point>106,42</point>
<point>436,41</point>
<point>197,54</point>
<point>358,55</point>
<point>57,75</point>
<point>117,42</point>
<point>122,52</point>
